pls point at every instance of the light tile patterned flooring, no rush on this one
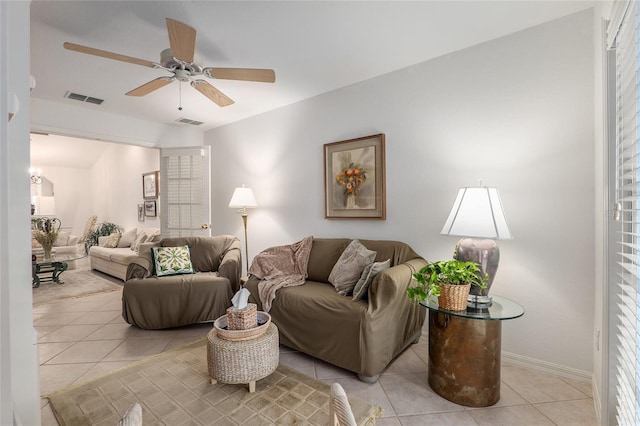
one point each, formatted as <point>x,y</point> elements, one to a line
<point>86,337</point>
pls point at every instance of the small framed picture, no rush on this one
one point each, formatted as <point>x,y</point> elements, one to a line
<point>354,185</point>
<point>140,212</point>
<point>150,185</point>
<point>150,208</point>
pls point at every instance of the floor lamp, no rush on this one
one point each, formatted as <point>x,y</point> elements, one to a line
<point>477,216</point>
<point>243,199</point>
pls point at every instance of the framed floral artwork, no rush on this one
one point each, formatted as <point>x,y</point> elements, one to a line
<point>150,185</point>
<point>354,178</point>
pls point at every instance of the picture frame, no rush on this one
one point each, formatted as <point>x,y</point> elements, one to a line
<point>354,178</point>
<point>140,212</point>
<point>150,185</point>
<point>150,209</point>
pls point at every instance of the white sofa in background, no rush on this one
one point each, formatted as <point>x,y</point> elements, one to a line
<point>65,244</point>
<point>115,260</point>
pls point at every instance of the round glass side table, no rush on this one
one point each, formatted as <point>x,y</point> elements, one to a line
<point>464,350</point>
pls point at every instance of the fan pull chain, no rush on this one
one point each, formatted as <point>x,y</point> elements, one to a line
<point>180,102</point>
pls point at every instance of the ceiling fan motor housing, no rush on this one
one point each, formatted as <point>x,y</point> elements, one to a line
<point>183,70</point>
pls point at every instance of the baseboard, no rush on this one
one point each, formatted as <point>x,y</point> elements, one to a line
<point>547,367</point>
<point>597,403</point>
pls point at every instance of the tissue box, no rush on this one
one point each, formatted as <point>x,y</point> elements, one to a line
<point>242,319</point>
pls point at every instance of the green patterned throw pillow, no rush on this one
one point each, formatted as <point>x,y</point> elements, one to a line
<point>172,260</point>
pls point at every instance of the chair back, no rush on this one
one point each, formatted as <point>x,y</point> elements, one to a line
<point>339,408</point>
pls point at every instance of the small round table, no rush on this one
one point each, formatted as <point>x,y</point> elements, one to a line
<point>243,361</point>
<point>464,350</point>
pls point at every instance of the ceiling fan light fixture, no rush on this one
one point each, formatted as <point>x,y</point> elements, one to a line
<point>179,60</point>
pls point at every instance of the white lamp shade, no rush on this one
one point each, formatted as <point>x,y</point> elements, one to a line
<point>243,198</point>
<point>477,213</point>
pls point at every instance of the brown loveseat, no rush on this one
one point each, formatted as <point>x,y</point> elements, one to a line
<point>362,336</point>
<point>152,302</point>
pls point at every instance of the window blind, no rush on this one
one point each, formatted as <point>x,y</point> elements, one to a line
<point>626,341</point>
<point>183,187</point>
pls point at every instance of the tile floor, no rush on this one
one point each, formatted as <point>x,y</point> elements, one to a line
<point>86,337</point>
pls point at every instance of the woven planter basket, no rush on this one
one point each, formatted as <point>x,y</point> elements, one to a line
<point>453,297</point>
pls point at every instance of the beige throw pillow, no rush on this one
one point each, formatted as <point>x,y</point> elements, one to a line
<point>140,238</point>
<point>62,240</point>
<point>128,238</point>
<point>349,267</point>
<point>152,236</point>
<point>112,241</point>
<point>361,289</point>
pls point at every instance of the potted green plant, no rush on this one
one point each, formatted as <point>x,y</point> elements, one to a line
<point>102,230</point>
<point>449,280</point>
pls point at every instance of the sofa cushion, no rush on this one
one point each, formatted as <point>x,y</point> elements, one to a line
<point>397,251</point>
<point>172,261</point>
<point>324,255</point>
<point>112,241</point>
<point>128,237</point>
<point>153,235</point>
<point>206,252</point>
<point>120,255</point>
<point>140,238</point>
<point>370,271</point>
<point>349,267</point>
<point>62,240</point>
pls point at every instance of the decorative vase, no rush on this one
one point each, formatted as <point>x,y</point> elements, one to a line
<point>47,250</point>
<point>350,201</point>
<point>453,297</point>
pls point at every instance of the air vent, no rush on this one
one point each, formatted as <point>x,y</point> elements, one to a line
<point>83,98</point>
<point>189,121</point>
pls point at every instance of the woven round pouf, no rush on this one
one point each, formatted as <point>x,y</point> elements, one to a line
<point>243,361</point>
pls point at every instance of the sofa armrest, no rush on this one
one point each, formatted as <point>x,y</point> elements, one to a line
<point>140,267</point>
<point>231,265</point>
<point>389,287</point>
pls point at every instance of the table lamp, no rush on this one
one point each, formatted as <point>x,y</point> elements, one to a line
<point>243,199</point>
<point>477,216</point>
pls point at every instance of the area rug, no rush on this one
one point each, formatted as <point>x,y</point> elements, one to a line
<point>173,388</point>
<point>76,283</point>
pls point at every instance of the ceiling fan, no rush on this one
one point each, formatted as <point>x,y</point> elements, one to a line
<point>179,60</point>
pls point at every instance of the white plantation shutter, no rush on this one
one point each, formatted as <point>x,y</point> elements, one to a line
<point>184,191</point>
<point>626,341</point>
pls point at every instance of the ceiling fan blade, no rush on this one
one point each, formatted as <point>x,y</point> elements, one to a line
<point>212,93</point>
<point>246,74</point>
<point>149,87</point>
<point>182,39</point>
<point>108,55</point>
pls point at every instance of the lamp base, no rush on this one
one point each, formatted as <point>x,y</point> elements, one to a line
<point>474,300</point>
<point>487,255</point>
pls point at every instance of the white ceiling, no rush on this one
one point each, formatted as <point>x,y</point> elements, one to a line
<point>62,151</point>
<point>314,47</point>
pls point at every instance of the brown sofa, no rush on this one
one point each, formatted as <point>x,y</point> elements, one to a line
<point>362,336</point>
<point>152,302</point>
